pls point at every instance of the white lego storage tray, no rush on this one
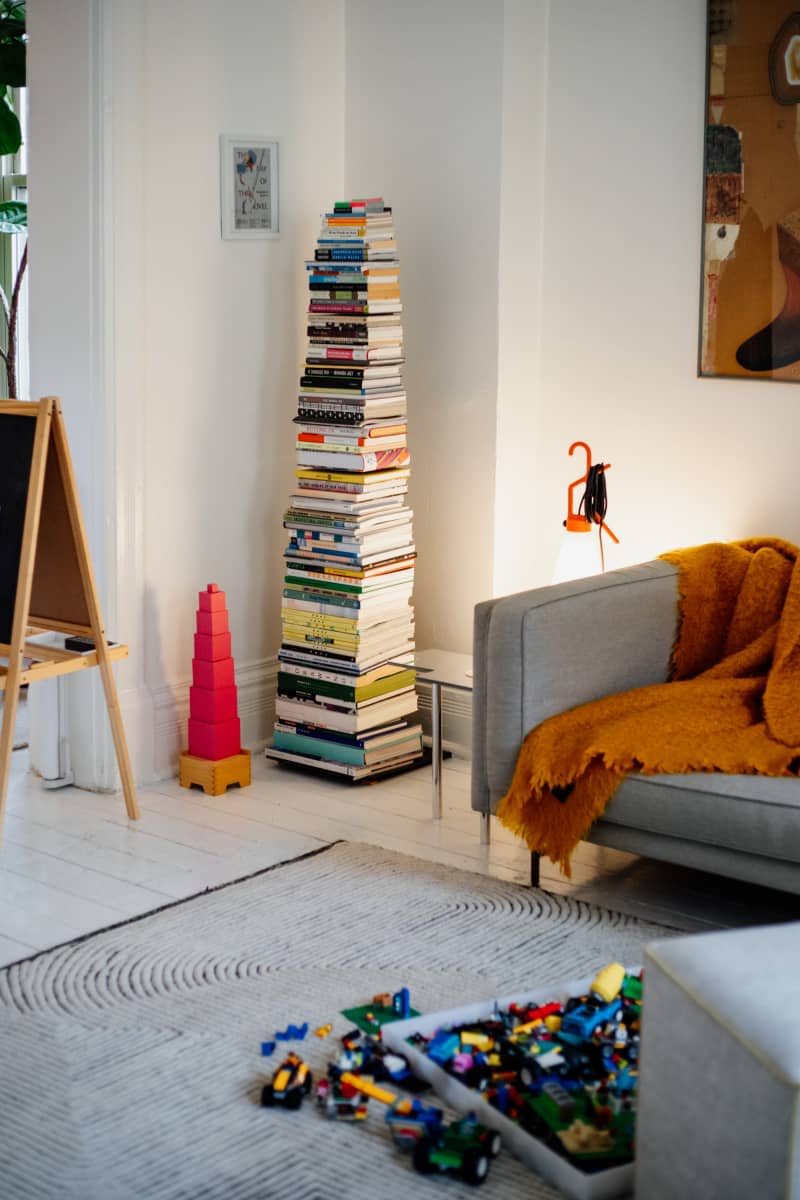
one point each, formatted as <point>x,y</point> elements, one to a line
<point>577,1184</point>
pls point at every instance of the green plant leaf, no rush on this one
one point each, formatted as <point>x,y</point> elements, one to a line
<point>12,61</point>
<point>10,132</point>
<point>12,43</point>
<point>13,217</point>
<point>13,11</point>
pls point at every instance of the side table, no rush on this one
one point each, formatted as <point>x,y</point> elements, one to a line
<point>441,669</point>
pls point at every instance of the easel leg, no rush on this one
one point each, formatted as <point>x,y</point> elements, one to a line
<point>117,730</point>
<point>95,619</point>
<point>27,555</point>
<point>11,696</point>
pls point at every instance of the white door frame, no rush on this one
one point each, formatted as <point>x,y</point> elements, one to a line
<point>86,96</point>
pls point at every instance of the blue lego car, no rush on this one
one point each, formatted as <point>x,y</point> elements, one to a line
<point>579,1024</point>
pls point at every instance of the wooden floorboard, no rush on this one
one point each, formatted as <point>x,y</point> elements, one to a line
<point>71,861</point>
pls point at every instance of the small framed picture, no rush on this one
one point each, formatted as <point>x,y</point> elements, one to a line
<point>249,187</point>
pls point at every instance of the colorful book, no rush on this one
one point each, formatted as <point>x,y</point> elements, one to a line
<point>379,712</point>
<point>378,460</point>
<point>301,686</point>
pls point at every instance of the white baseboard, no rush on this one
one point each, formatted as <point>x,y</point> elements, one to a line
<point>257,682</point>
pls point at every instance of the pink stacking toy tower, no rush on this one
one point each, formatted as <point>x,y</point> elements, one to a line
<point>215,759</point>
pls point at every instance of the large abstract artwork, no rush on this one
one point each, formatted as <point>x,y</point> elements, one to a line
<point>750,318</point>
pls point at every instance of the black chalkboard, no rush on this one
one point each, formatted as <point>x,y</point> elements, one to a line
<point>16,457</point>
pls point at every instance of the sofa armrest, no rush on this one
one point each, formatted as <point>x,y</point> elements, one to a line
<point>541,652</point>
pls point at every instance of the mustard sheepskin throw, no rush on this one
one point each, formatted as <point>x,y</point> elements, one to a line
<point>732,703</point>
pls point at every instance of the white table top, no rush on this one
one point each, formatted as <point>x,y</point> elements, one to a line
<point>444,667</point>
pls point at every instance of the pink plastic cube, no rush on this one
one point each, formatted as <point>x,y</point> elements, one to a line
<point>214,741</point>
<point>212,704</point>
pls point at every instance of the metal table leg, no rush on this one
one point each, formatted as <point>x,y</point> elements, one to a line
<point>436,739</point>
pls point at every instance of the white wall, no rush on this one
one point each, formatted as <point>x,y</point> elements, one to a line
<point>222,335</point>
<point>177,352</point>
<point>544,162</point>
<point>693,459</point>
<point>67,296</point>
<point>521,298</point>
<point>424,103</point>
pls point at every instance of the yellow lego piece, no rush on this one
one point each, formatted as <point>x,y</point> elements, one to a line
<point>368,1088</point>
<point>323,1030</point>
<point>477,1041</point>
<point>607,984</point>
<point>586,1139</point>
<point>527,1028</point>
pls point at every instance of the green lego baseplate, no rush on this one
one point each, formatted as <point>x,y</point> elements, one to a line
<point>381,1015</point>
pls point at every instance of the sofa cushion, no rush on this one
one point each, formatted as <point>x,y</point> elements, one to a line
<point>755,814</point>
<point>719,1093</point>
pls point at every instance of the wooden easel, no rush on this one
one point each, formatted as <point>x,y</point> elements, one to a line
<point>46,578</point>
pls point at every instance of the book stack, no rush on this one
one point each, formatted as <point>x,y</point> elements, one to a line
<point>346,703</point>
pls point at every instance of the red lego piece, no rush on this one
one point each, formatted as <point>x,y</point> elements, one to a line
<point>220,740</point>
<point>212,646</point>
<point>212,704</point>
<point>212,622</point>
<point>216,674</point>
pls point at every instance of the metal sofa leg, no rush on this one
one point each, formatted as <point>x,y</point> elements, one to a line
<point>535,858</point>
<point>486,828</point>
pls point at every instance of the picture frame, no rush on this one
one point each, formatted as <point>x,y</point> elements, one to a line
<point>249,187</point>
<point>750,278</point>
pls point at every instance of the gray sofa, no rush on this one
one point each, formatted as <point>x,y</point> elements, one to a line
<point>541,652</point>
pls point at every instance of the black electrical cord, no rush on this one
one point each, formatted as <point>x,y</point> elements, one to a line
<point>594,502</point>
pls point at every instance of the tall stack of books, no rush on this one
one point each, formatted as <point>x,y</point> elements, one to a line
<point>346,703</point>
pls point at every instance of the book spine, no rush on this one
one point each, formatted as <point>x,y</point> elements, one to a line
<point>377,460</point>
<point>361,738</point>
<point>338,306</point>
<point>318,607</point>
<point>335,372</point>
<point>299,687</point>
<point>330,288</point>
<point>340,588</point>
<point>318,748</point>
<point>317,623</point>
<point>346,253</point>
<point>326,292</point>
<point>304,687</point>
<point>334,383</point>
<point>345,354</point>
<point>344,277</point>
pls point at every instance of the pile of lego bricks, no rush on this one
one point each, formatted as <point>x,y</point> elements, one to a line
<point>359,1072</point>
<point>565,1072</point>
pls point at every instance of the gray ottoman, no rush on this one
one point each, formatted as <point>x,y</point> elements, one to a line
<point>719,1099</point>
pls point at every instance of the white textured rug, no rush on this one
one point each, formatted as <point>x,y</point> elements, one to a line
<point>130,1061</point>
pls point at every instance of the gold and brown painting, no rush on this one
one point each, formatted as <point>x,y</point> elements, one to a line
<point>751,248</point>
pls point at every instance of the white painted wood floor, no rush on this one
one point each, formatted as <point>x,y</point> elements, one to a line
<point>71,862</point>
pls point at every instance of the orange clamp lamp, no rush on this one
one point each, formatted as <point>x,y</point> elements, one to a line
<point>576,522</point>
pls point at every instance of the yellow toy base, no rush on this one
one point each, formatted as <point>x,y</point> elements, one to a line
<point>215,776</point>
